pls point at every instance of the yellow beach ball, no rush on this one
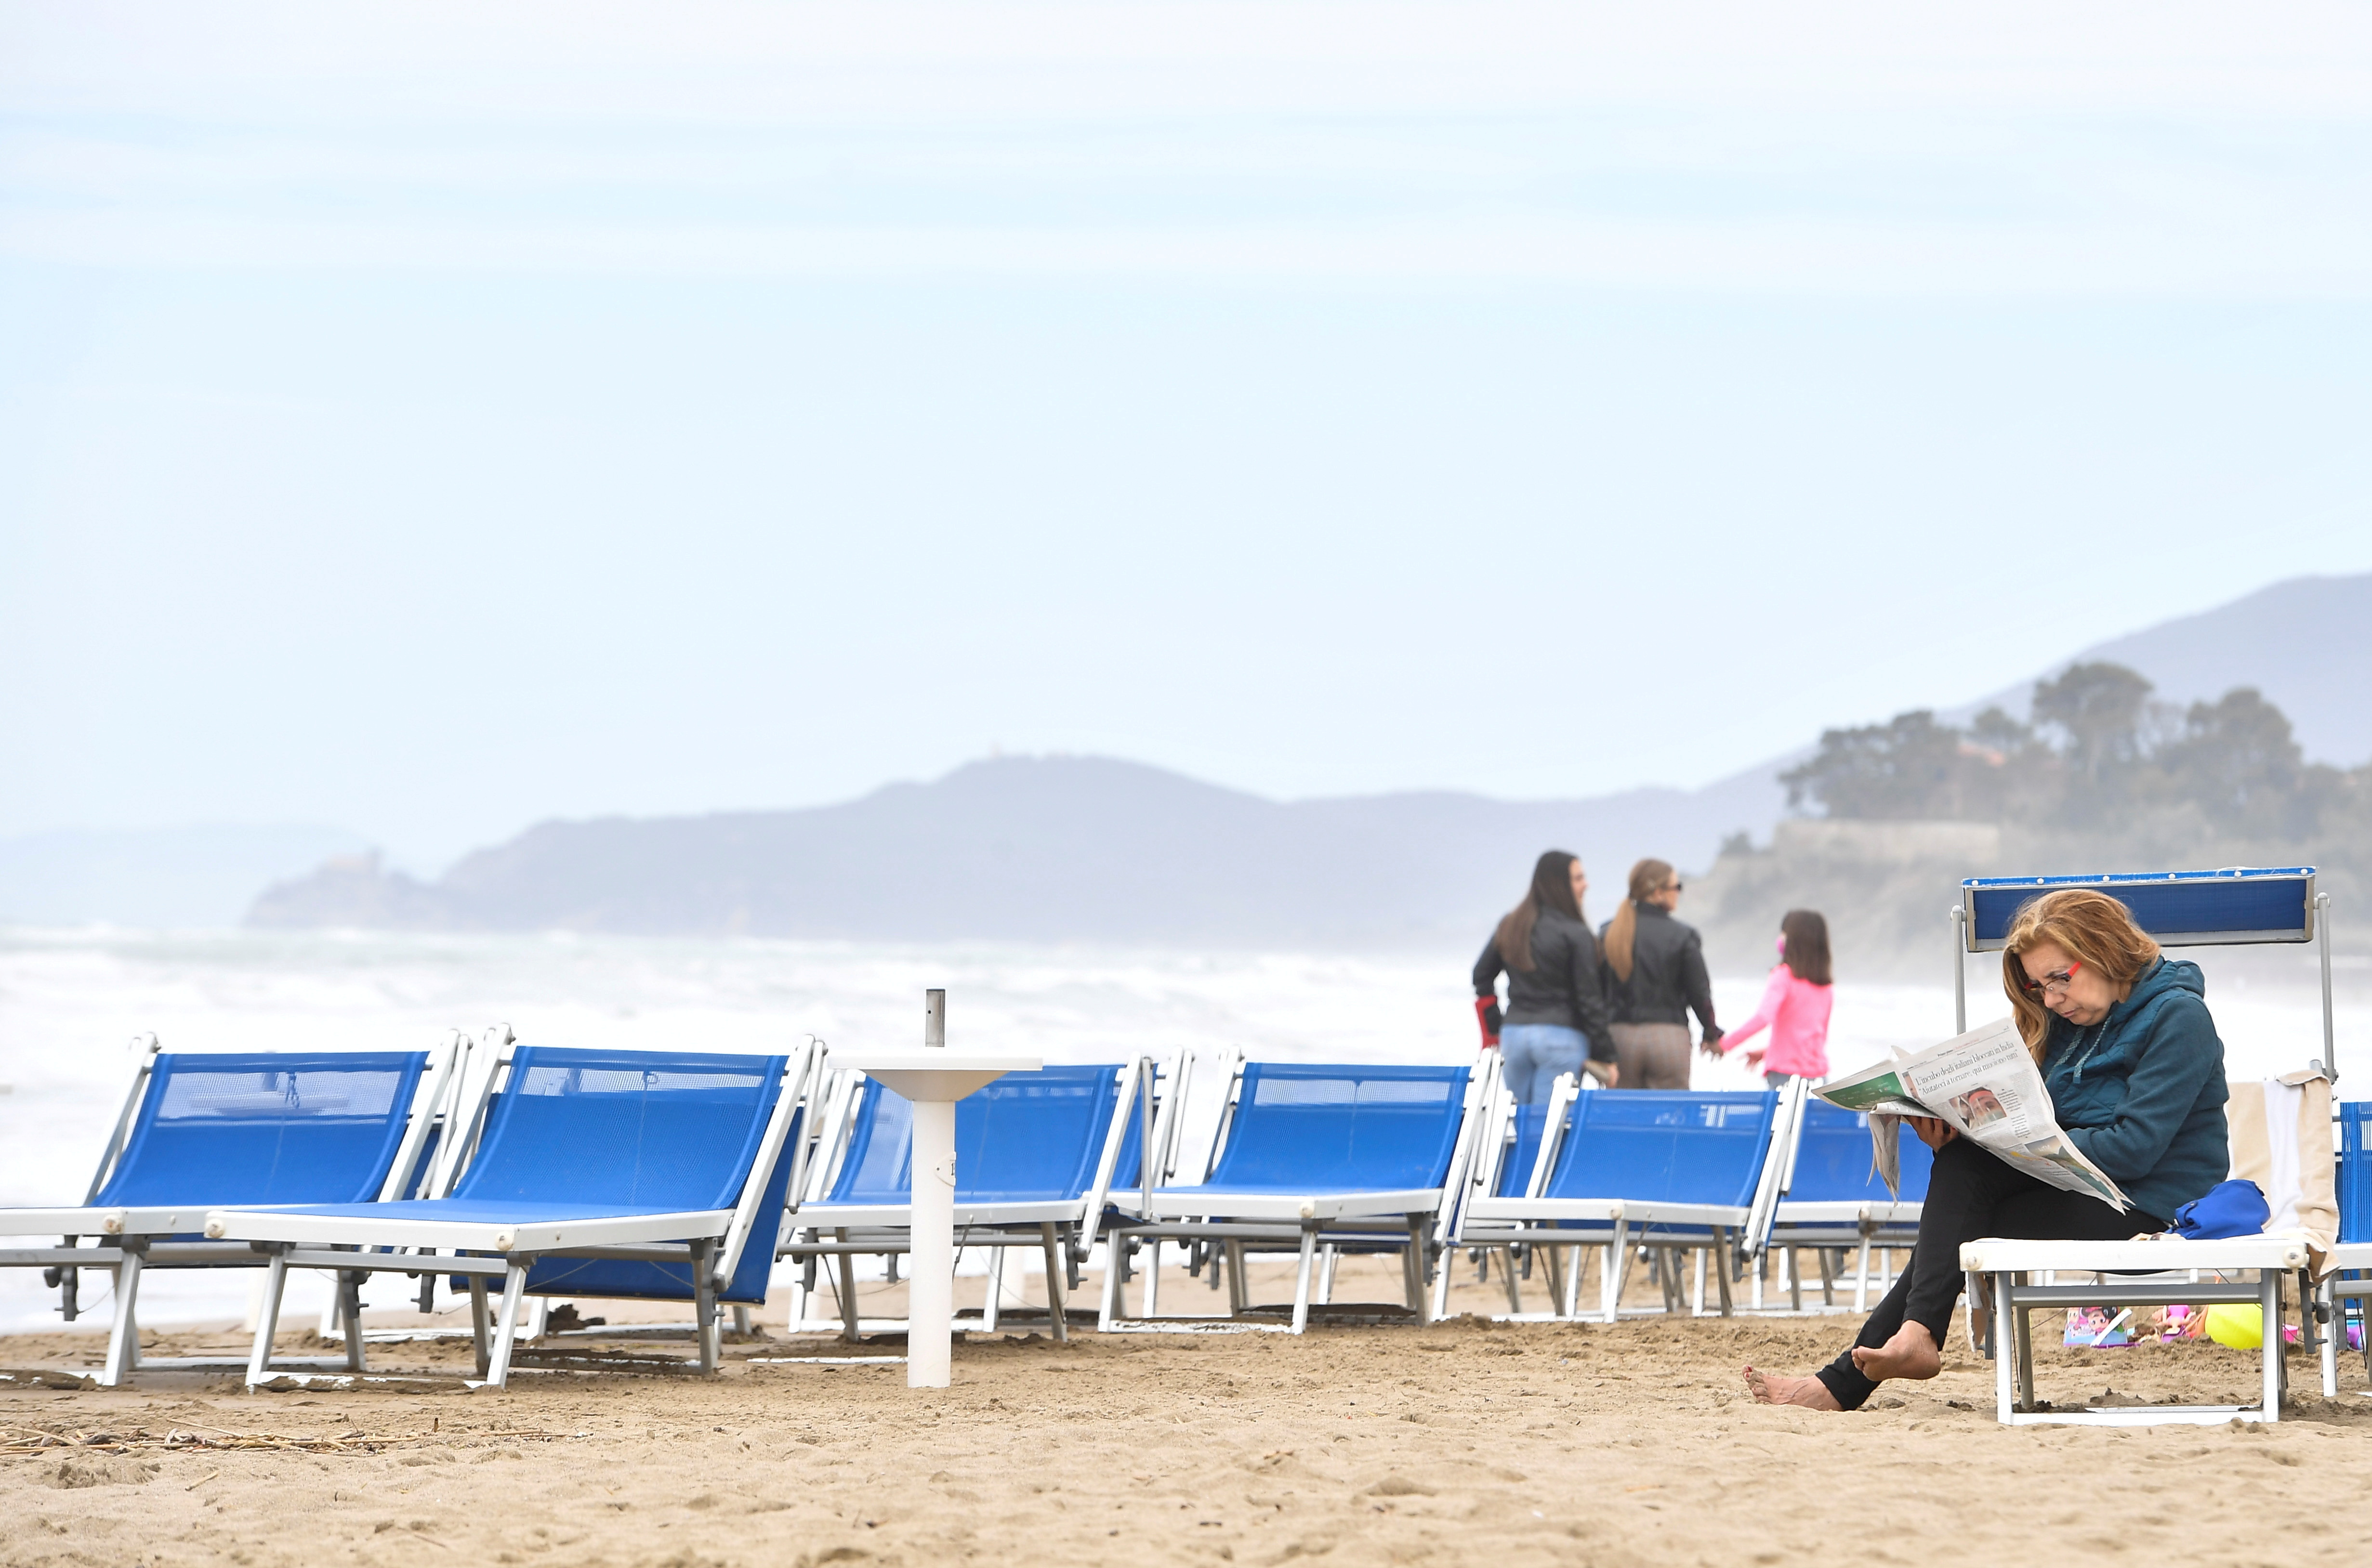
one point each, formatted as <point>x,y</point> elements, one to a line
<point>2243,1328</point>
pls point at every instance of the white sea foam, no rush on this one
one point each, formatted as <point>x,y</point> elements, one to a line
<point>70,1001</point>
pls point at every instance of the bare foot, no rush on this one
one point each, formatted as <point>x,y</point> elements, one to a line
<point>1809,1392</point>
<point>1911,1354</point>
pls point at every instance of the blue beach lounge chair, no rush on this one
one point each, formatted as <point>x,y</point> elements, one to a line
<point>1675,1171</point>
<point>2347,1287</point>
<point>2180,908</point>
<point>1833,1195</point>
<point>1360,1156</point>
<point>1507,1163</point>
<point>201,1130</point>
<point>1035,1152</point>
<point>642,1174</point>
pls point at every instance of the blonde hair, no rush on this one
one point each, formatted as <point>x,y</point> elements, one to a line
<point>1647,879</point>
<point>2092,928</point>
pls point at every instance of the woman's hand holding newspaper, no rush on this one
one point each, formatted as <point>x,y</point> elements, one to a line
<point>1933,1130</point>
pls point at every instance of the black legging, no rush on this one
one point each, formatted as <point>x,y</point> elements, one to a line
<point>1971,1194</point>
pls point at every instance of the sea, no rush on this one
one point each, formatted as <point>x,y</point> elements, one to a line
<point>74,1004</point>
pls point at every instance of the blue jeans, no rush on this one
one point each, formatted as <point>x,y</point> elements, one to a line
<point>1537,1054</point>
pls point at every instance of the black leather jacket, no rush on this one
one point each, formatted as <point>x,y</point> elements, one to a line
<point>1563,986</point>
<point>1668,974</point>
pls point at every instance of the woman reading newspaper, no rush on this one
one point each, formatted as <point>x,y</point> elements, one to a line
<point>2135,1072</point>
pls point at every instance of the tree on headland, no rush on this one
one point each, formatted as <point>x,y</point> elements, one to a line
<point>2099,754</point>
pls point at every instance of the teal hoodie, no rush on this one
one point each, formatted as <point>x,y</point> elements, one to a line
<point>2142,1091</point>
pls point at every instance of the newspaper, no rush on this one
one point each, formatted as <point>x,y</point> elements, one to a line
<point>1985,1087</point>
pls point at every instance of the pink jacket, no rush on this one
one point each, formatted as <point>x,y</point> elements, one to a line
<point>1797,1014</point>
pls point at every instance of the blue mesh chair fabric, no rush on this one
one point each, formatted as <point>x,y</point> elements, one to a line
<point>1515,1164</point>
<point>1651,1145</point>
<point>1304,1128</point>
<point>2354,1173</point>
<point>1833,1164</point>
<point>266,1127</point>
<point>1033,1137</point>
<point>594,1134</point>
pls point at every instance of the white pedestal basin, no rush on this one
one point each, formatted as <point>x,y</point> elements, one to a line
<point>933,1078</point>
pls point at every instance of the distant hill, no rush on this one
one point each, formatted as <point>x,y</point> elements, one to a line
<point>1096,850</point>
<point>1055,849</point>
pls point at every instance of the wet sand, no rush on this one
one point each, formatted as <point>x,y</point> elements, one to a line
<point>1464,1442</point>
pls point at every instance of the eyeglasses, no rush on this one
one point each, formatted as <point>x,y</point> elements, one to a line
<point>2055,983</point>
<point>1674,886</point>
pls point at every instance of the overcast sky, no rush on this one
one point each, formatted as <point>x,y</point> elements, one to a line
<point>431,419</point>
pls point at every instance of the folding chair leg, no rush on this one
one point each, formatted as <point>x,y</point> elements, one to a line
<point>2022,1337</point>
<point>1617,1272</point>
<point>1301,1278</point>
<point>478,1325</point>
<point>267,1320</point>
<point>1153,1278</point>
<point>706,1324</point>
<point>1420,1298</point>
<point>1828,1275</point>
<point>1574,1260</point>
<point>1055,1310</point>
<point>1553,1263</point>
<point>1861,1279</point>
<point>123,1340</point>
<point>1109,1312</point>
<point>741,1321</point>
<point>498,1369</point>
<point>350,1317</point>
<point>1795,1281</point>
<point>847,1277</point>
<point>1721,1246</point>
<point>2004,1395</point>
<point>989,1309</point>
<point>2334,1329</point>
<point>1239,1293</point>
<point>1696,1303</point>
<point>2276,1343</point>
<point>1515,1291</point>
<point>1327,1258</point>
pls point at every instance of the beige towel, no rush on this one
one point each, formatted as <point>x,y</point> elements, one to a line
<point>2281,1141</point>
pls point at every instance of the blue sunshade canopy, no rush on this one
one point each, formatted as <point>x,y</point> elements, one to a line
<point>2180,908</point>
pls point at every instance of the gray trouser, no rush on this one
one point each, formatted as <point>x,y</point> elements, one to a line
<point>1652,1056</point>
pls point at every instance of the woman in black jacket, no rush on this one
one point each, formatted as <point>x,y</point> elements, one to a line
<point>1555,1021</point>
<point>1656,977</point>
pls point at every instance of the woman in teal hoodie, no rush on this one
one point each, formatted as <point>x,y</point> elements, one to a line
<point>2135,1073</point>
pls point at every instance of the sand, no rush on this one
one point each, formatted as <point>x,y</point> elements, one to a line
<point>1465,1442</point>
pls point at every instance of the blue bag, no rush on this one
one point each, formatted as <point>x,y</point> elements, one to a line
<point>2228,1208</point>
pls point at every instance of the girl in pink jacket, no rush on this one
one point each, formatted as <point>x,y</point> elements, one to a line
<point>1795,1006</point>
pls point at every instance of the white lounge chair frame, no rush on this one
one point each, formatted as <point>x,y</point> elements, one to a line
<point>128,1240</point>
<point>1416,1222</point>
<point>369,1245</point>
<point>1504,1221</point>
<point>2007,1269</point>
